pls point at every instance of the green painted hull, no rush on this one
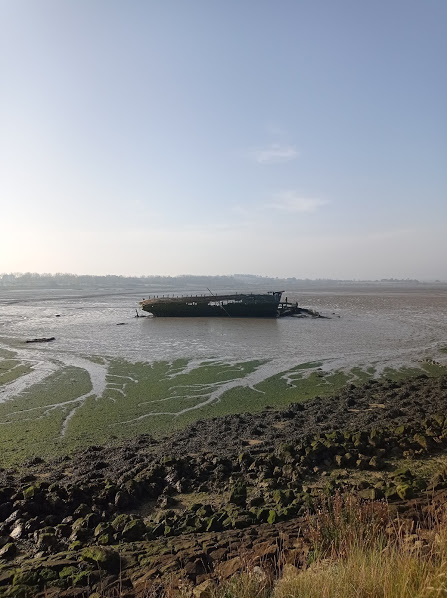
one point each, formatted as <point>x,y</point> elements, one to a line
<point>233,306</point>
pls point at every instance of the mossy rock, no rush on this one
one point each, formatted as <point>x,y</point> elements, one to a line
<point>62,530</point>
<point>21,591</point>
<point>419,484</point>
<point>369,494</point>
<point>213,524</point>
<point>245,459</point>
<point>317,447</point>
<point>262,515</point>
<point>242,520</point>
<point>77,524</point>
<point>288,470</point>
<point>286,450</point>
<point>256,501</point>
<point>134,530</point>
<point>440,419</point>
<point>102,528</point>
<point>68,572</point>
<point>422,441</point>
<point>109,491</point>
<point>238,494</point>
<point>82,578</point>
<point>79,532</point>
<point>47,541</point>
<point>272,516</point>
<point>155,530</point>
<point>404,491</point>
<point>105,539</point>
<point>82,510</point>
<point>283,498</point>
<point>403,473</point>
<point>120,522</point>
<point>359,439</point>
<point>91,520</point>
<point>163,516</point>
<point>29,492</point>
<point>104,558</point>
<point>391,493</point>
<point>46,575</point>
<point>340,460</point>
<point>290,511</point>
<point>362,463</point>
<point>349,459</point>
<point>375,462</point>
<point>8,551</point>
<point>334,436</point>
<point>204,511</point>
<point>375,438</point>
<point>380,485</point>
<point>25,578</point>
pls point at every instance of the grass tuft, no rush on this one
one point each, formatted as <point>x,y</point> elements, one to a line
<point>359,551</point>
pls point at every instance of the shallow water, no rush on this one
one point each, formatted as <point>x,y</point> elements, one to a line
<point>360,328</point>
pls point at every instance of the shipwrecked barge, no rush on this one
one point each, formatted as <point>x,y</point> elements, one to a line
<point>237,305</point>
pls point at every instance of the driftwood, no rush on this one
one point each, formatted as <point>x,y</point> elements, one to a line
<point>41,340</point>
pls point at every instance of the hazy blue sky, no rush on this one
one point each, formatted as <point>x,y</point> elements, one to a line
<point>301,138</point>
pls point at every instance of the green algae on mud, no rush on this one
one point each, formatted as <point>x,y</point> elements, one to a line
<point>30,424</point>
<point>11,368</point>
<point>430,368</point>
<point>149,398</point>
<point>61,413</point>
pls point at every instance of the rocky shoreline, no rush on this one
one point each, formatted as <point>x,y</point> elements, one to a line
<point>225,492</point>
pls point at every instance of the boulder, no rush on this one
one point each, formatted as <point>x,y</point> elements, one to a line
<point>272,516</point>
<point>229,568</point>
<point>120,522</point>
<point>8,551</point>
<point>404,491</point>
<point>238,494</point>
<point>104,558</point>
<point>204,590</point>
<point>134,530</point>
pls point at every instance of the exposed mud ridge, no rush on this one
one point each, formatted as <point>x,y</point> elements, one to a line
<point>224,492</point>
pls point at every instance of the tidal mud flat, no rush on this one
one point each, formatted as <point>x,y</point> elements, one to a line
<point>55,407</point>
<point>98,381</point>
<point>155,453</point>
<point>201,503</point>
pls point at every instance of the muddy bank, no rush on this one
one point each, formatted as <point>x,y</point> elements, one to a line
<point>192,504</point>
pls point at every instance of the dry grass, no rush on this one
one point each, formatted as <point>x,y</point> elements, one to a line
<point>359,552</point>
<point>246,585</point>
<point>363,572</point>
<point>342,521</point>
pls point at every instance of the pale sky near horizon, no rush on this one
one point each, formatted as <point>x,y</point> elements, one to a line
<point>302,138</point>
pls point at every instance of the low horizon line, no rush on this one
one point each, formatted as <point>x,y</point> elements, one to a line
<point>233,275</point>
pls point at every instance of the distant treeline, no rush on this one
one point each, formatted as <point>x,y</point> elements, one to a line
<point>30,280</point>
